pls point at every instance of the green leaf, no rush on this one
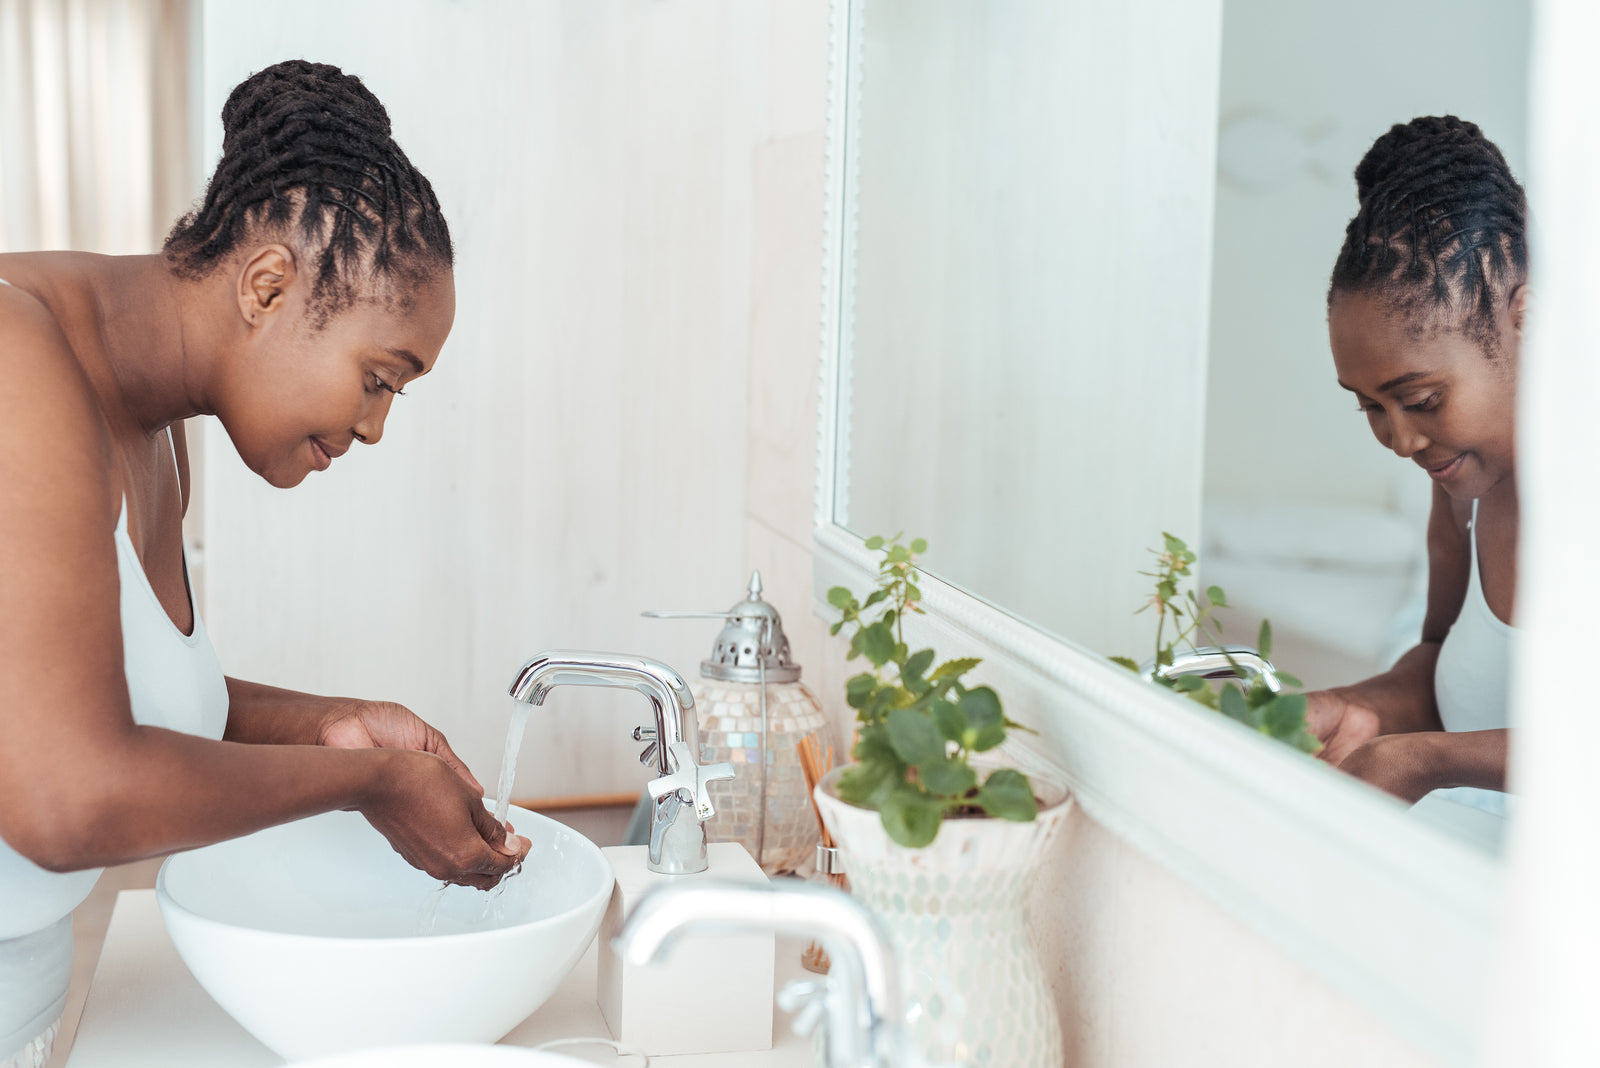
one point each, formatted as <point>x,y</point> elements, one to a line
<point>951,721</point>
<point>1264,640</point>
<point>874,543</point>
<point>1008,794</point>
<point>835,628</point>
<point>911,673</point>
<point>1232,704</point>
<point>875,597</point>
<point>952,669</point>
<point>986,721</point>
<point>876,642</point>
<point>1174,545</point>
<point>876,773</point>
<point>1215,595</point>
<point>915,736</point>
<point>1284,716</point>
<point>1290,680</point>
<point>1189,683</point>
<point>919,545</point>
<point>911,819</point>
<point>855,643</point>
<point>1167,589</point>
<point>913,593</point>
<point>901,651</point>
<point>1126,662</point>
<point>1163,658</point>
<point>858,690</point>
<point>840,597</point>
<point>947,778</point>
<point>898,554</point>
<point>1205,696</point>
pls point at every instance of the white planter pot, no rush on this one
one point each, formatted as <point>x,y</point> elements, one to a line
<point>956,912</point>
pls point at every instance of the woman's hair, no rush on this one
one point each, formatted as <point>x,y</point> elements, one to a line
<point>307,156</point>
<point>1441,232</point>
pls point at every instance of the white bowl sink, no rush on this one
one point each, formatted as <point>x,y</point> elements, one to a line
<point>314,935</point>
<point>451,1056</point>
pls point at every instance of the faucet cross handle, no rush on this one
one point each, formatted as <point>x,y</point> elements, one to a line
<point>689,779</point>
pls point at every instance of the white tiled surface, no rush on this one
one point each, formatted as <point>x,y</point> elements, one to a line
<point>146,1011</point>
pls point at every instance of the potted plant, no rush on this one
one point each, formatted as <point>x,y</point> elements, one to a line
<point>1273,711</point>
<point>941,844</point>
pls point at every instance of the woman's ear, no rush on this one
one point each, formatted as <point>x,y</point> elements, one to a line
<point>263,281</point>
<point>1521,297</point>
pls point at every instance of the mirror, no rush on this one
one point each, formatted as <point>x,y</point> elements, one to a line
<point>1070,331</point>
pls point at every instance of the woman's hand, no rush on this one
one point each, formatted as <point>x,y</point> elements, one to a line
<point>1404,765</point>
<point>1343,724</point>
<point>386,725</point>
<point>439,824</point>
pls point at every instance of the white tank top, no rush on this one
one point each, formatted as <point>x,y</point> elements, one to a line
<point>1471,680</point>
<point>174,681</point>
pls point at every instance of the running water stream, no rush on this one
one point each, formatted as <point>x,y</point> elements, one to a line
<point>494,903</point>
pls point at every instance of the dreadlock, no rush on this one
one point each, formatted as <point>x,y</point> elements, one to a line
<point>307,153</point>
<point>1441,232</point>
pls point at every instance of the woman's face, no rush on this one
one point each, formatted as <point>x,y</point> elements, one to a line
<point>1432,396</point>
<point>294,398</point>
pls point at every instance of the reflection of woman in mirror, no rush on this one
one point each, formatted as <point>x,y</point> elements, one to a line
<point>1425,317</point>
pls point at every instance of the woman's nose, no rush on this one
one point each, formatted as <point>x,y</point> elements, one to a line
<point>1405,439</point>
<point>369,431</point>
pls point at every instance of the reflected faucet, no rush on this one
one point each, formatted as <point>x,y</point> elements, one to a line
<point>1217,662</point>
<point>677,845</point>
<point>857,1005</point>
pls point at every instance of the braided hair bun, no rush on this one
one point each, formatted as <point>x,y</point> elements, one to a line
<point>1442,226</point>
<point>307,155</point>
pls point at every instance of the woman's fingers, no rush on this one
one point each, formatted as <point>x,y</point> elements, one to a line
<point>441,749</point>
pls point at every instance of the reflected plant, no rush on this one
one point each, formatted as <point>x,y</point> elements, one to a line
<point>1279,715</point>
<point>919,724</point>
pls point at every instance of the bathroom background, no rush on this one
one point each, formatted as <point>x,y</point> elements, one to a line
<point>625,415</point>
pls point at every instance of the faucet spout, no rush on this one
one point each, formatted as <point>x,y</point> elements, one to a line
<point>669,695</point>
<point>679,801</point>
<point>861,1005</point>
<point>1217,662</point>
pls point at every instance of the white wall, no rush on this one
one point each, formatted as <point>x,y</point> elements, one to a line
<point>1278,427</point>
<point>611,172</point>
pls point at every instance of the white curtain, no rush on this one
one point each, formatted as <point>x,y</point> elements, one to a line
<point>95,149</point>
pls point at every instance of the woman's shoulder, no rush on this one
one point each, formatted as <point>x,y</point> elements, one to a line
<point>49,400</point>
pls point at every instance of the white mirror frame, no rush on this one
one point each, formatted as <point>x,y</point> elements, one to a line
<point>1396,915</point>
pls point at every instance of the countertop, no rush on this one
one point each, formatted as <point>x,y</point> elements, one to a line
<point>145,1009</point>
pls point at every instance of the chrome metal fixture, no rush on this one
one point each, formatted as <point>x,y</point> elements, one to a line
<point>1217,662</point>
<point>677,845</point>
<point>857,1004</point>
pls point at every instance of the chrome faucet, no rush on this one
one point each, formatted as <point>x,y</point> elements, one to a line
<point>857,1005</point>
<point>677,845</point>
<point>1217,662</point>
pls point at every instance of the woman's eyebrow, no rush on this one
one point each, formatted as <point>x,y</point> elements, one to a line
<point>410,357</point>
<point>1402,380</point>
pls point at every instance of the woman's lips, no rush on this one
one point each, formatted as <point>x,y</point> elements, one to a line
<point>1447,470</point>
<point>321,459</point>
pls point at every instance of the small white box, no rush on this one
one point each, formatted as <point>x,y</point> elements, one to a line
<point>712,995</point>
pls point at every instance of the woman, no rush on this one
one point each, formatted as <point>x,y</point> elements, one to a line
<point>311,285</point>
<point>1425,317</point>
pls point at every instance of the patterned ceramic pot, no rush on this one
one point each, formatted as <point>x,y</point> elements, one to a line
<point>956,912</point>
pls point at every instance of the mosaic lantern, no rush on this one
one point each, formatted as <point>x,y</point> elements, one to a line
<point>753,712</point>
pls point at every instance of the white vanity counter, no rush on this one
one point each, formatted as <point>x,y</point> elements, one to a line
<point>146,1011</point>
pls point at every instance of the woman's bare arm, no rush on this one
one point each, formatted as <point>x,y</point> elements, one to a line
<point>1401,700</point>
<point>80,783</point>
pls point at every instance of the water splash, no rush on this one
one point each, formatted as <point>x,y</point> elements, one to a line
<point>428,914</point>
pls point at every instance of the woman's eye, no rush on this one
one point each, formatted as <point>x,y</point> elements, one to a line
<point>1426,404</point>
<point>380,384</point>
